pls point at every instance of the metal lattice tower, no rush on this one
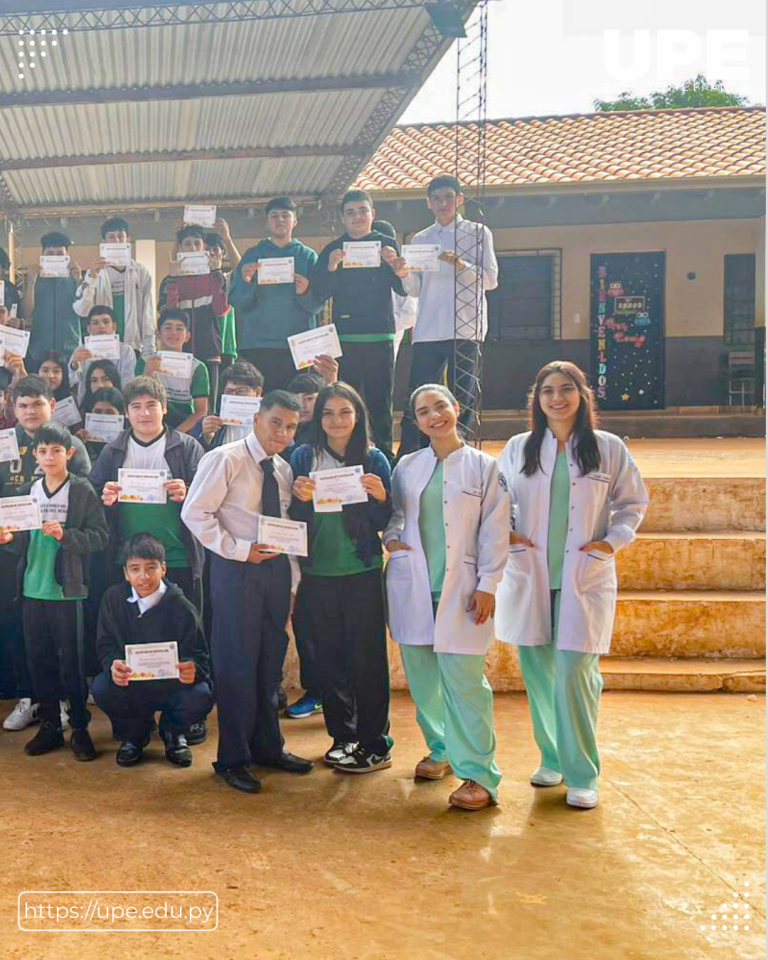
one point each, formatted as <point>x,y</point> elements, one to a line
<point>470,159</point>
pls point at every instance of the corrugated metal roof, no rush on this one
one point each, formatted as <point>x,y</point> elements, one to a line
<point>370,44</point>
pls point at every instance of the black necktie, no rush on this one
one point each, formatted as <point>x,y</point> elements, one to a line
<point>270,492</point>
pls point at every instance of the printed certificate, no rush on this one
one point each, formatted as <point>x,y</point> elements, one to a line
<point>14,341</point>
<point>422,257</point>
<point>66,413</point>
<point>276,270</point>
<point>20,513</point>
<point>9,445</point>
<point>116,254</point>
<point>142,486</point>
<point>54,266</point>
<point>193,264</point>
<point>105,346</point>
<point>2,293</point>
<point>153,661</point>
<point>283,536</point>
<point>103,427</point>
<point>176,365</point>
<point>362,253</point>
<point>306,346</point>
<point>204,215</point>
<point>334,488</point>
<point>238,411</point>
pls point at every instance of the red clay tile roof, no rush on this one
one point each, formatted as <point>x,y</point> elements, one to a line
<point>593,147</point>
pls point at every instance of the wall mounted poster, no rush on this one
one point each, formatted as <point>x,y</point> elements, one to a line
<point>627,330</point>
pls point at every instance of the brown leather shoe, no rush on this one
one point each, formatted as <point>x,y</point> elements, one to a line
<point>470,796</point>
<point>429,769</point>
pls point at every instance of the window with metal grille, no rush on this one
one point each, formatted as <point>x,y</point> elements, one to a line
<point>526,305</point>
<point>739,299</point>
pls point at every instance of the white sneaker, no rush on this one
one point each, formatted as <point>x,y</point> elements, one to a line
<point>544,777</point>
<point>64,713</point>
<point>24,713</point>
<point>576,797</point>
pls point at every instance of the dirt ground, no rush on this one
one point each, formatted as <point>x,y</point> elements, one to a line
<point>376,867</point>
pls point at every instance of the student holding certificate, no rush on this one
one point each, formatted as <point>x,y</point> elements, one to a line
<point>340,597</point>
<point>362,310</point>
<point>100,375</point>
<point>48,302</point>
<point>448,544</point>
<point>241,379</point>
<point>101,323</point>
<point>187,395</point>
<point>269,313</point>
<point>236,485</point>
<point>127,290</point>
<point>33,406</point>
<point>53,368</point>
<point>147,608</point>
<point>52,576</point>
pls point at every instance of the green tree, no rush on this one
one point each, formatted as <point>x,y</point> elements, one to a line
<point>698,92</point>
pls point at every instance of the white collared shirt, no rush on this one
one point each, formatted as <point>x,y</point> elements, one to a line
<point>223,505</point>
<point>146,603</point>
<point>435,290</point>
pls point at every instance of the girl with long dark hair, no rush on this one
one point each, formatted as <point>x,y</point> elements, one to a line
<point>54,370</point>
<point>100,375</point>
<point>341,591</point>
<point>576,499</point>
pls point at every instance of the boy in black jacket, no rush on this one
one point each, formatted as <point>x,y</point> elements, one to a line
<point>147,608</point>
<point>363,310</point>
<point>52,582</point>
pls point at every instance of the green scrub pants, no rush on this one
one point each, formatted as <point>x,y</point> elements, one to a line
<point>454,708</point>
<point>564,689</point>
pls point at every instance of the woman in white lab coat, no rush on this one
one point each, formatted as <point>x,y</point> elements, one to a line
<point>447,543</point>
<point>576,499</point>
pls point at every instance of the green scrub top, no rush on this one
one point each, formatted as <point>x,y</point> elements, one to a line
<point>559,502</point>
<point>333,551</point>
<point>432,530</point>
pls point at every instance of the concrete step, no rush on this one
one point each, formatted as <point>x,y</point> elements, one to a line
<point>705,504</point>
<point>716,624</point>
<point>683,675</point>
<point>723,560</point>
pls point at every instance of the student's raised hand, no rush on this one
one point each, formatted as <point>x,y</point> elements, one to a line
<point>110,493</point>
<point>601,545</point>
<point>153,365</point>
<point>249,271</point>
<point>15,363</point>
<point>302,488</point>
<point>173,265</point>
<point>515,537</point>
<point>98,264</point>
<point>260,552</point>
<point>374,487</point>
<point>80,356</point>
<point>121,673</point>
<point>327,367</point>
<point>335,259</point>
<point>222,228</point>
<point>483,604</point>
<point>76,270</point>
<point>211,424</point>
<point>187,670</point>
<point>215,258</point>
<point>5,536</point>
<point>450,256</point>
<point>52,528</point>
<point>177,490</point>
<point>301,283</point>
<point>394,545</point>
<point>400,267</point>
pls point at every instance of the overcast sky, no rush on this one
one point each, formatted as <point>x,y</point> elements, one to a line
<point>556,56</point>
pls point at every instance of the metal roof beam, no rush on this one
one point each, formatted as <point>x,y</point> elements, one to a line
<point>119,15</point>
<point>195,91</point>
<point>179,156</point>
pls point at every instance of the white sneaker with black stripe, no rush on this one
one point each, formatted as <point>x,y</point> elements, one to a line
<point>363,762</point>
<point>338,752</point>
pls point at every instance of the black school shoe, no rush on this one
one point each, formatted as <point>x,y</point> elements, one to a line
<point>48,737</point>
<point>177,751</point>
<point>239,777</point>
<point>131,752</point>
<point>196,733</point>
<point>289,763</point>
<point>82,745</point>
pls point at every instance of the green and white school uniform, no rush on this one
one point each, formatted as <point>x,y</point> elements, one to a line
<point>182,393</point>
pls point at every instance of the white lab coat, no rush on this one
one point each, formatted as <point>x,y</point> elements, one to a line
<point>475,514</point>
<point>605,505</point>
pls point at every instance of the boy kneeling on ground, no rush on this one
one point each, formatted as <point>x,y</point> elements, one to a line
<point>147,608</point>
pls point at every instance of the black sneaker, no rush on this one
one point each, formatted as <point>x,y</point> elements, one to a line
<point>196,733</point>
<point>363,762</point>
<point>82,745</point>
<point>48,737</point>
<point>338,751</point>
